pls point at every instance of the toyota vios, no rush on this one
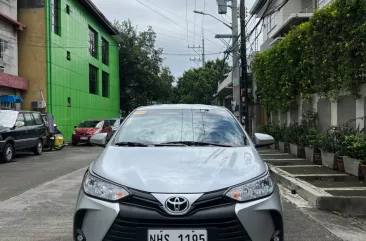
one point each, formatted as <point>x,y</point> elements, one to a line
<point>179,173</point>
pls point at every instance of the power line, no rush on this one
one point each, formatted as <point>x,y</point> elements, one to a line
<point>174,21</point>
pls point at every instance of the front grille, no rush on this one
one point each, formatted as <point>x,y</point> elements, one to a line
<point>84,134</point>
<point>206,201</point>
<point>132,224</point>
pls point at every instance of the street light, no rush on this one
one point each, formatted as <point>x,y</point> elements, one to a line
<point>203,13</point>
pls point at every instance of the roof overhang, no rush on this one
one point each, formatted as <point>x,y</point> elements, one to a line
<point>95,12</point>
<point>292,20</point>
<point>257,6</point>
<point>18,25</point>
<point>276,40</point>
<point>225,87</point>
<point>13,81</point>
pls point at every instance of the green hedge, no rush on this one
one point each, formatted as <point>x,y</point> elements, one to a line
<point>325,55</point>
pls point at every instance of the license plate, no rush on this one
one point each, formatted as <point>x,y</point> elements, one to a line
<point>84,138</point>
<point>177,235</point>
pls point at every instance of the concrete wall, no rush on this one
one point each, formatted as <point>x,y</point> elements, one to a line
<point>346,110</point>
<point>7,33</point>
<point>330,112</point>
<point>32,56</point>
<point>9,8</point>
<point>294,115</point>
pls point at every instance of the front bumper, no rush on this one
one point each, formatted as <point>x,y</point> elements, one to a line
<point>258,220</point>
<point>79,139</point>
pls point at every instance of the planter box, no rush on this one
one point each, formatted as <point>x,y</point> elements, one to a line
<point>363,168</point>
<point>309,153</point>
<point>352,166</point>
<point>281,146</point>
<point>287,148</point>
<point>294,150</point>
<point>328,160</point>
<point>340,163</point>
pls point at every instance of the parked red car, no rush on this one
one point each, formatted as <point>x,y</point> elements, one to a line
<point>86,129</point>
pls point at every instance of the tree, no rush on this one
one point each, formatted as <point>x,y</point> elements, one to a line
<point>197,86</point>
<point>143,79</point>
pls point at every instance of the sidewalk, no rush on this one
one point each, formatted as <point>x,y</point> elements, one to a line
<point>322,187</point>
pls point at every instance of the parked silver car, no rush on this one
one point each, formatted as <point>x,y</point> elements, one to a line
<point>114,123</point>
<point>179,173</point>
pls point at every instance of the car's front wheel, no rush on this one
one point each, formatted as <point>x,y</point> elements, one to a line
<point>8,153</point>
<point>38,148</point>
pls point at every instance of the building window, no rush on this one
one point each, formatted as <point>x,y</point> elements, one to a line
<point>271,22</point>
<point>105,84</point>
<point>93,80</point>
<point>68,101</point>
<point>93,43</point>
<point>322,3</point>
<point>3,47</point>
<point>67,9</point>
<point>68,55</point>
<point>105,51</point>
<point>55,16</point>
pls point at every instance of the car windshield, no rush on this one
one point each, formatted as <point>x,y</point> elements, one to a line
<point>8,118</point>
<point>176,125</point>
<point>91,124</point>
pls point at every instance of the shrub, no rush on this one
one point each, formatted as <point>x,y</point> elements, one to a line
<point>355,147</point>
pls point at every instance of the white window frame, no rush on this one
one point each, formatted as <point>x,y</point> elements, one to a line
<point>271,22</point>
<point>322,3</point>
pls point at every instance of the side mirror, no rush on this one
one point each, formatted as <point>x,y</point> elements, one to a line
<point>262,140</point>
<point>75,127</point>
<point>19,124</point>
<point>99,139</point>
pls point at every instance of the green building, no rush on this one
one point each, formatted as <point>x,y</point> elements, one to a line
<point>69,54</point>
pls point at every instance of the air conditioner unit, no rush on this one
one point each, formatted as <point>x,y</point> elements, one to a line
<point>38,104</point>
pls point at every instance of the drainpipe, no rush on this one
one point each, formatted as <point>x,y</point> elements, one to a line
<point>49,54</point>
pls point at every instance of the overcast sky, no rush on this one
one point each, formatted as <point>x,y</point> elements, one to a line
<point>172,34</point>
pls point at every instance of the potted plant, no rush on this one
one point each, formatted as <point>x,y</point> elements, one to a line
<point>327,147</point>
<point>355,154</point>
<point>281,139</point>
<point>312,145</point>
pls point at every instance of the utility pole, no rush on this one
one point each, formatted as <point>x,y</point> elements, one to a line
<point>203,52</point>
<point>236,68</point>
<point>243,55</point>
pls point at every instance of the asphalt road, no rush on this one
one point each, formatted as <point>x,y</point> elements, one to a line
<point>38,194</point>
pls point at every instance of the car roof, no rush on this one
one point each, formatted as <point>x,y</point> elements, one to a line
<point>22,111</point>
<point>180,107</point>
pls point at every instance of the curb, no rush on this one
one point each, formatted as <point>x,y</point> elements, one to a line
<point>348,206</point>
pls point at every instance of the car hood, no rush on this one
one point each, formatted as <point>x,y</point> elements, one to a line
<point>4,129</point>
<point>179,169</point>
<point>86,130</point>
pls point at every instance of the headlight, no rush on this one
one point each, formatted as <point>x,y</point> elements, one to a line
<point>256,189</point>
<point>101,189</point>
<point>74,133</point>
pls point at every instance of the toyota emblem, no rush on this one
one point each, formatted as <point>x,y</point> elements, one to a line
<point>176,205</point>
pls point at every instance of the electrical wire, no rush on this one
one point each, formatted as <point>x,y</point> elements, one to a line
<point>173,21</point>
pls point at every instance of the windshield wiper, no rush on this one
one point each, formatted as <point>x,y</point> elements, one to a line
<point>195,143</point>
<point>130,144</point>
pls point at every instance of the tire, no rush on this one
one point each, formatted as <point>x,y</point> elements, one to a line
<point>74,143</point>
<point>8,153</point>
<point>37,150</point>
